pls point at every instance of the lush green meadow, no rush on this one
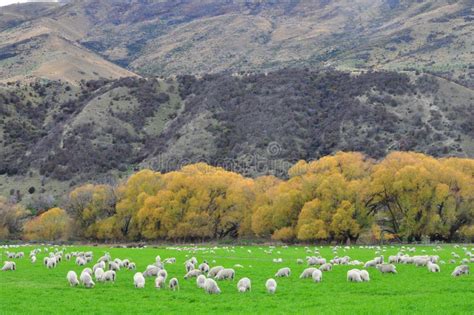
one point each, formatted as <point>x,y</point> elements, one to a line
<point>34,289</point>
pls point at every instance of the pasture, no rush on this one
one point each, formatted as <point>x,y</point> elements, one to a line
<point>33,289</point>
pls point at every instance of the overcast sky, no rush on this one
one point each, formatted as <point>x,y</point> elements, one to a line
<point>7,2</point>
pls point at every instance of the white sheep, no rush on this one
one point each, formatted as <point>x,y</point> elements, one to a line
<point>109,275</point>
<point>432,267</point>
<point>370,263</point>
<point>244,285</point>
<point>211,287</point>
<point>99,274</point>
<point>139,280</point>
<point>88,270</point>
<point>224,274</point>
<point>299,261</point>
<point>72,278</point>
<point>200,280</point>
<point>189,266</point>
<point>317,275</point>
<point>326,267</point>
<point>174,284</point>
<point>307,273</point>
<point>163,273</point>
<point>204,267</point>
<point>353,275</point>
<point>192,274</point>
<point>214,271</point>
<point>271,286</point>
<point>460,270</point>
<point>98,265</point>
<point>51,263</point>
<point>132,266</point>
<point>151,270</point>
<point>283,272</point>
<point>364,275</point>
<point>9,266</point>
<point>86,280</point>
<point>33,259</point>
<point>114,266</point>
<point>387,268</point>
<point>80,261</point>
<point>160,282</point>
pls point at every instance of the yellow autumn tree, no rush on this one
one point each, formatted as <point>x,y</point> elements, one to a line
<point>52,225</point>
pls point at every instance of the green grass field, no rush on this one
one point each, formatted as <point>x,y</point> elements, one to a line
<point>33,289</point>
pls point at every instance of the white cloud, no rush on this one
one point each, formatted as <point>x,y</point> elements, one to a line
<point>8,2</point>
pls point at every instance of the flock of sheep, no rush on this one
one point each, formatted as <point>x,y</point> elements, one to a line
<point>105,269</point>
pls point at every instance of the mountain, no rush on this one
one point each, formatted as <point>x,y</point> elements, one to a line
<point>56,134</point>
<point>197,37</point>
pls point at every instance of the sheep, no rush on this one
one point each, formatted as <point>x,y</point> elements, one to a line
<point>432,267</point>
<point>132,266</point>
<point>80,261</point>
<point>124,263</point>
<point>139,280</point>
<point>98,265</point>
<point>387,268</point>
<point>33,259</point>
<point>299,261</point>
<point>271,286</point>
<point>393,259</point>
<point>163,273</point>
<point>86,280</point>
<point>460,270</point>
<point>307,273</point>
<point>171,260</point>
<point>204,267</point>
<point>283,272</point>
<point>20,255</point>
<point>109,275</point>
<point>326,267</point>
<point>114,266</point>
<point>353,275</point>
<point>72,278</point>
<point>364,275</point>
<point>200,280</point>
<point>379,260</point>
<point>88,270</point>
<point>192,274</point>
<point>68,257</point>
<point>370,263</point>
<point>189,266</point>
<point>244,285</point>
<point>9,266</point>
<point>99,274</point>
<point>51,263</point>
<point>104,258</point>
<point>420,261</point>
<point>160,282</point>
<point>227,273</point>
<point>11,255</point>
<point>317,275</point>
<point>174,284</point>
<point>214,271</point>
<point>151,271</point>
<point>211,287</point>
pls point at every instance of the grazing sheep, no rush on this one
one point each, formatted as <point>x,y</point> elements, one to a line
<point>9,266</point>
<point>370,263</point>
<point>174,284</point>
<point>299,261</point>
<point>393,259</point>
<point>364,275</point>
<point>189,266</point>
<point>204,268</point>
<point>33,259</point>
<point>104,258</point>
<point>387,268</point>
<point>271,286</point>
<point>160,282</point>
<point>88,270</point>
<point>99,274</point>
<point>353,275</point>
<point>124,263</point>
<point>163,273</point>
<point>244,285</point>
<point>110,275</point>
<point>317,275</point>
<point>307,273</point>
<point>192,274</point>
<point>20,255</point>
<point>72,278</point>
<point>80,261</point>
<point>68,257</point>
<point>420,261</point>
<point>379,260</point>
<point>283,272</point>
<point>86,280</point>
<point>151,271</point>
<point>460,270</point>
<point>132,266</point>
<point>114,266</point>
<point>139,280</point>
<point>98,265</point>
<point>51,263</point>
<point>326,267</point>
<point>214,271</point>
<point>432,267</point>
<point>171,260</point>
<point>200,280</point>
<point>11,255</point>
<point>224,274</point>
<point>211,287</point>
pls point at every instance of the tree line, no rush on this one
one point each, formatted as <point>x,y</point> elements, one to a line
<point>345,197</point>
